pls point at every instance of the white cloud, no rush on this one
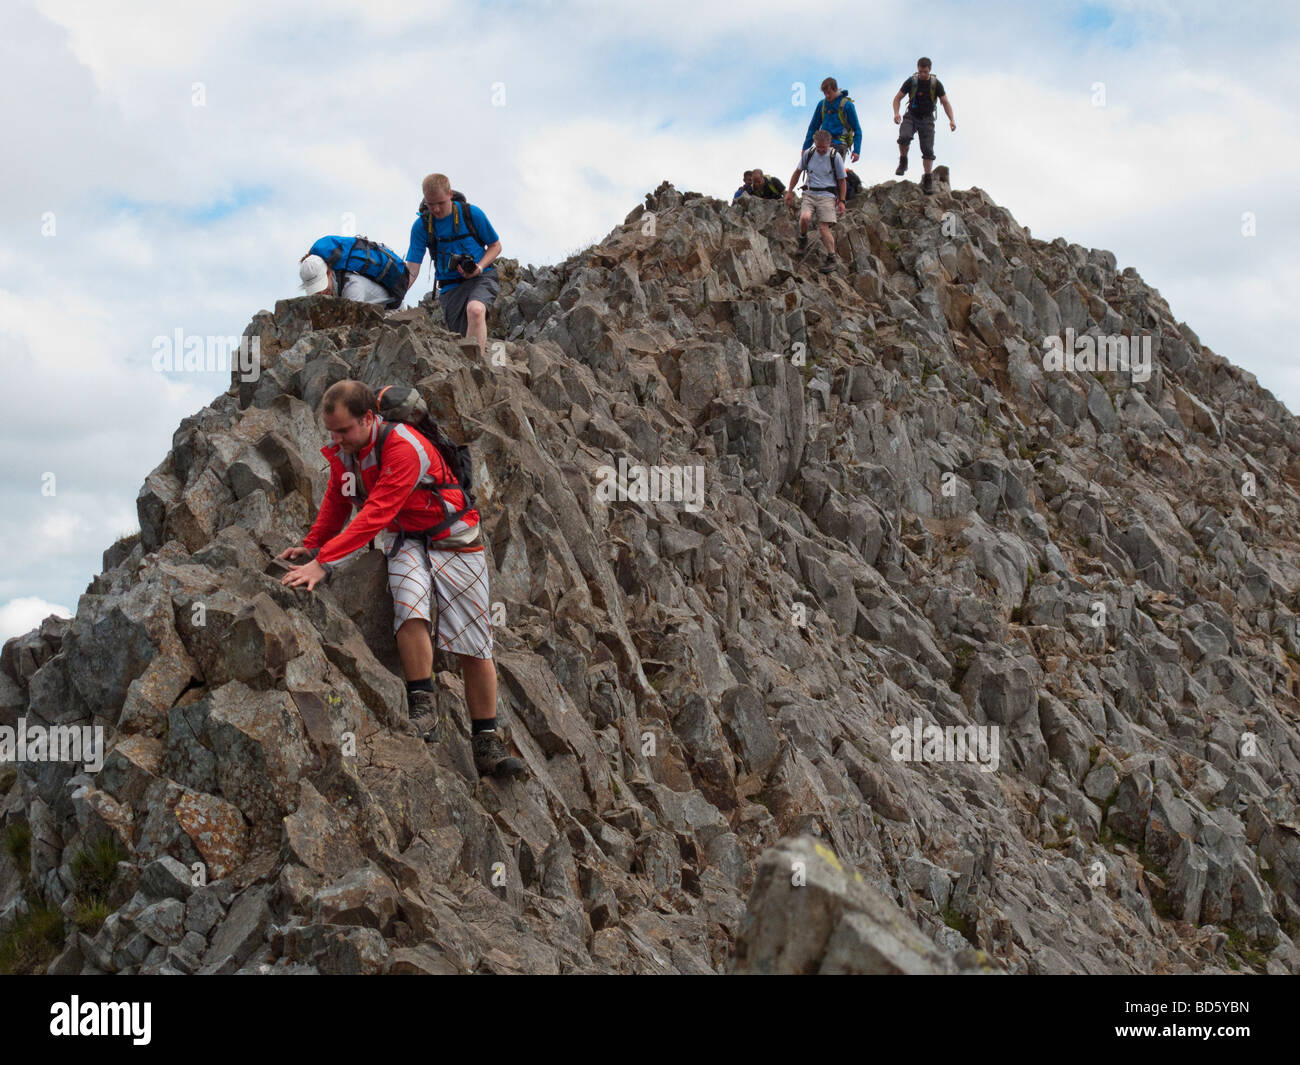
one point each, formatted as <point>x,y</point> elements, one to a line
<point>319,107</point>
<point>19,616</point>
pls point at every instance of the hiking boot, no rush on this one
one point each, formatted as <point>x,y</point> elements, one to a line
<point>828,267</point>
<point>927,183</point>
<point>492,759</point>
<point>803,242</point>
<point>902,166</point>
<point>426,719</point>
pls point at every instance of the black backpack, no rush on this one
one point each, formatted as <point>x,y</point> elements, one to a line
<point>914,84</point>
<point>398,403</point>
<point>852,185</point>
<point>460,214</point>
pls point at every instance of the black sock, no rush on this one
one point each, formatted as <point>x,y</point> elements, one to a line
<point>487,724</point>
<point>419,685</point>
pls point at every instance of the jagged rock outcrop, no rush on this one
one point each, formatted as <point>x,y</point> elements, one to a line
<point>904,521</point>
<point>807,914</point>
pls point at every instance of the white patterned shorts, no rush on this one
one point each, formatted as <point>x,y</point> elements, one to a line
<point>458,578</point>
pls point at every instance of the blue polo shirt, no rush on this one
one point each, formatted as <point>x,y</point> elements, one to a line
<point>452,240</point>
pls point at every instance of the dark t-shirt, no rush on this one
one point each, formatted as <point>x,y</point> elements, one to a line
<point>923,106</point>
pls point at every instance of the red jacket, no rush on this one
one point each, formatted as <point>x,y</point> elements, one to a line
<point>395,497</point>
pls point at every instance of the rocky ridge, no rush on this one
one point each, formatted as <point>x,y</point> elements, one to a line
<point>905,518</point>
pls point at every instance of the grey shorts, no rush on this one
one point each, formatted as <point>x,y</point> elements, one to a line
<point>922,126</point>
<point>454,299</point>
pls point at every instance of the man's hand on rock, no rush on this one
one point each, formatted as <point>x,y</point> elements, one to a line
<point>297,551</point>
<point>310,575</point>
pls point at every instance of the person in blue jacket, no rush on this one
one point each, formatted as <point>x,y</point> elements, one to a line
<point>354,268</point>
<point>838,117</point>
<point>744,187</point>
<point>462,244</point>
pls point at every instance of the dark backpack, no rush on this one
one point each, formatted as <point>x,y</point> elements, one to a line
<point>913,85</point>
<point>852,185</point>
<point>398,403</point>
<point>369,258</point>
<point>460,214</point>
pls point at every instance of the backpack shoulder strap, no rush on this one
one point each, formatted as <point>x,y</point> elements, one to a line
<point>911,89</point>
<point>430,234</point>
<point>467,214</point>
<point>380,437</point>
<point>334,256</point>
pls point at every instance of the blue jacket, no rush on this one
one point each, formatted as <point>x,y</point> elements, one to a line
<point>828,118</point>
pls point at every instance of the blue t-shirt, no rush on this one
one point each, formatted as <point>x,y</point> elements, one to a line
<point>451,241</point>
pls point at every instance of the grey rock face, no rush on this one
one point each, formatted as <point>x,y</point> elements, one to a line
<point>905,524</point>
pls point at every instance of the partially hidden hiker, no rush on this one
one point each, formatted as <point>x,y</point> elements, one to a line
<point>765,187</point>
<point>837,115</point>
<point>823,194</point>
<point>356,269</point>
<point>744,187</point>
<point>462,245</point>
<point>400,484</point>
<point>922,90</point>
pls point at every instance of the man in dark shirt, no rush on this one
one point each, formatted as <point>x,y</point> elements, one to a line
<point>765,187</point>
<point>922,90</point>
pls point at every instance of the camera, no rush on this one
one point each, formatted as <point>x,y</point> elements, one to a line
<point>464,264</point>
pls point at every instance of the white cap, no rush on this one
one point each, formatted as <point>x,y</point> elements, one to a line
<point>315,275</point>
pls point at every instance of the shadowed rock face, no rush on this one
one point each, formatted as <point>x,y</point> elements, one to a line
<point>906,528</point>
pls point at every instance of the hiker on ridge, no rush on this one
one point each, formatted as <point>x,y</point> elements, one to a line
<point>765,188</point>
<point>354,268</point>
<point>837,115</point>
<point>922,90</point>
<point>462,244</point>
<point>823,193</point>
<point>744,188</point>
<point>401,487</point>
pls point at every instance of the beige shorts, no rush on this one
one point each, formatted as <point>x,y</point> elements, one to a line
<point>820,206</point>
<point>458,579</point>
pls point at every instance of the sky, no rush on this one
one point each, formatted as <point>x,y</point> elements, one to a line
<point>166,166</point>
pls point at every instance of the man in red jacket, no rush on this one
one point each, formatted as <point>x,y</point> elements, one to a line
<point>433,549</point>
